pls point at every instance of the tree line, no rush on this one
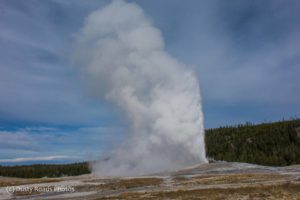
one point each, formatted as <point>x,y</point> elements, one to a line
<point>273,144</point>
<point>45,170</point>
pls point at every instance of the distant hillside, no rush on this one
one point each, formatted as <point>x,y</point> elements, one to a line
<point>276,143</point>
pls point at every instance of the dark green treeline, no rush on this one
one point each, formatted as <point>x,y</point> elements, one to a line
<point>39,171</point>
<point>275,144</point>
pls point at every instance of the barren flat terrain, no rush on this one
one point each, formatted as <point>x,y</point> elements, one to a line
<point>204,181</point>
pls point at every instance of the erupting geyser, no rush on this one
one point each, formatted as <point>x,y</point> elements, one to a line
<point>123,60</point>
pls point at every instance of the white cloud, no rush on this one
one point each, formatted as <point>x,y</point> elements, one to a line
<point>43,158</point>
<point>17,140</point>
<point>40,141</point>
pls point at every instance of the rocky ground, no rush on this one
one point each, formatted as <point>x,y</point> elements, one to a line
<point>205,181</point>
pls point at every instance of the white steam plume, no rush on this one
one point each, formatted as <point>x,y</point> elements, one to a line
<point>123,60</point>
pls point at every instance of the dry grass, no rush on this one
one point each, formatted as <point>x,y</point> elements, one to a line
<point>122,184</point>
<point>289,191</point>
<point>132,183</point>
<point>20,181</point>
<point>233,178</point>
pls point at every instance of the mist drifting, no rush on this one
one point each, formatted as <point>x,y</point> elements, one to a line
<point>122,59</point>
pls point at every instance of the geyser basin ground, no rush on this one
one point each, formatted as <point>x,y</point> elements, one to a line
<point>204,181</point>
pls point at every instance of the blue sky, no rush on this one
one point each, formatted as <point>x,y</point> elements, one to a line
<point>245,53</point>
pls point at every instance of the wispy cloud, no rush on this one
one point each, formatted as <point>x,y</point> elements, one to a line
<point>35,41</point>
<point>40,129</point>
<point>43,158</point>
<point>42,141</point>
<point>18,140</point>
